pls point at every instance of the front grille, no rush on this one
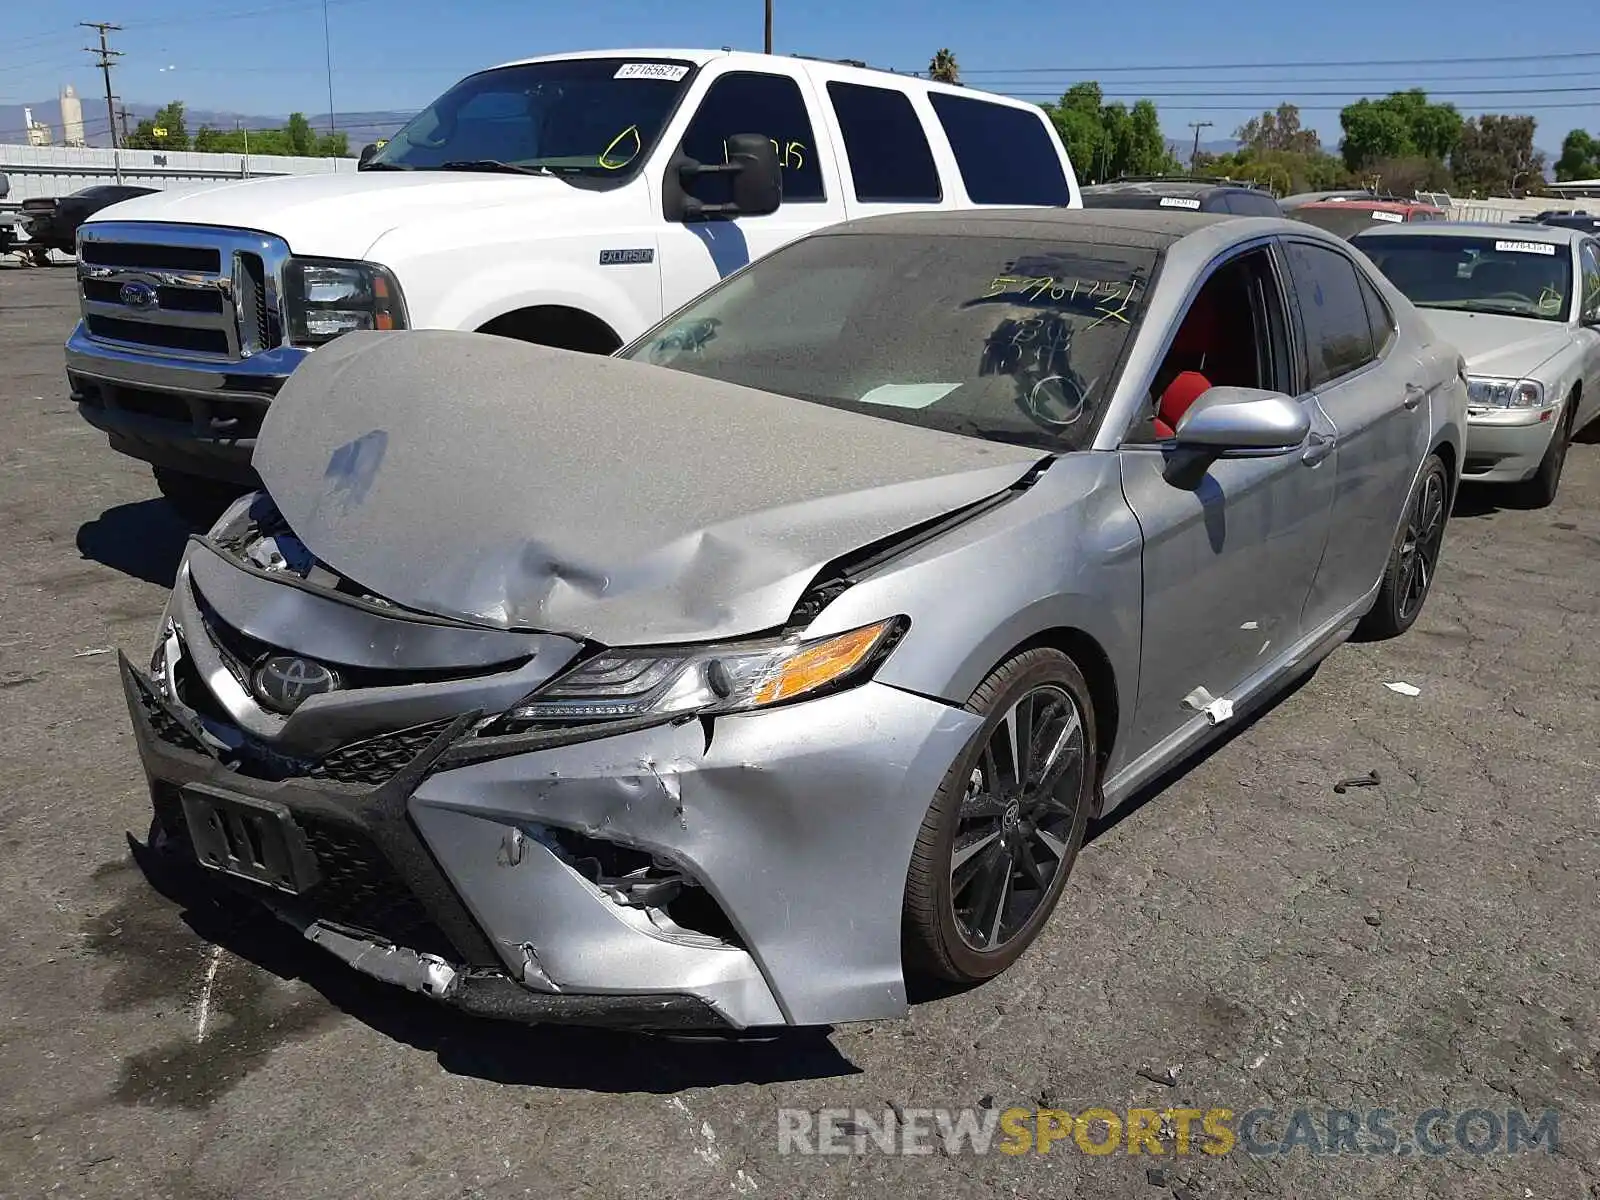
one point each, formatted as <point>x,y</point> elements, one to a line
<point>215,291</point>
<point>152,258</point>
<point>377,760</point>
<point>168,728</point>
<point>168,337</point>
<point>360,890</point>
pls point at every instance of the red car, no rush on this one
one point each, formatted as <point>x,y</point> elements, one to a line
<point>1346,218</point>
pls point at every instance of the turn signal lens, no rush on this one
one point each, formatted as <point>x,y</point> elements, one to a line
<point>819,665</point>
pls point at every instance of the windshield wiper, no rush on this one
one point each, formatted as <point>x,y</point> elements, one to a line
<point>491,164</point>
<point>383,166</point>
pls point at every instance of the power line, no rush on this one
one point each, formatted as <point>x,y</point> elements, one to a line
<point>1435,96</point>
<point>1257,65</point>
<point>1153,81</point>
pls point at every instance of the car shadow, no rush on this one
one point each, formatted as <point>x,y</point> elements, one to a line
<point>144,539</point>
<point>1242,724</point>
<point>554,1056</point>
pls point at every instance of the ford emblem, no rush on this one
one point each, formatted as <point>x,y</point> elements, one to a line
<point>137,295</point>
<point>283,682</point>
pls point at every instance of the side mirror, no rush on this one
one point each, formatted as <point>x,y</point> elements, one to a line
<point>1233,422</point>
<point>5,186</point>
<point>367,152</point>
<point>757,182</point>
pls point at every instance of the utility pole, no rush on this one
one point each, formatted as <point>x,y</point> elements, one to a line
<point>122,115</point>
<point>769,27</point>
<point>1197,126</point>
<point>327,53</point>
<point>106,55</point>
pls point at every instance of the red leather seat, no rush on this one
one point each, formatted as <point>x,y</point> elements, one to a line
<point>1183,391</point>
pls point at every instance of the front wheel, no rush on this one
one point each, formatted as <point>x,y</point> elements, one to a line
<point>1540,490</point>
<point>1415,557</point>
<point>1004,828</point>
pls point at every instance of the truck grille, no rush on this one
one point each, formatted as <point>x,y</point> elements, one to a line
<point>196,292</point>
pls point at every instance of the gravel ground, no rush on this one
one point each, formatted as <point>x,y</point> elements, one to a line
<point>1425,943</point>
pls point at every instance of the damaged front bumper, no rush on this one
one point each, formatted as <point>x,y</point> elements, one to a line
<point>739,873</point>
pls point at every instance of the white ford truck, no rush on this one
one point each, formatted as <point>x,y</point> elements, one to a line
<point>569,200</point>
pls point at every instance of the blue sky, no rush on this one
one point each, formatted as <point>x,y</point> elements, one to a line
<point>266,56</point>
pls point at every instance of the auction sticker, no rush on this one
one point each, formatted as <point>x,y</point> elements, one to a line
<point>1178,202</point>
<point>1396,218</point>
<point>672,71</point>
<point>1527,247</point>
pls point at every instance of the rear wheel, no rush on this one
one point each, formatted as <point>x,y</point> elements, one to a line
<point>197,500</point>
<point>1005,826</point>
<point>1409,576</point>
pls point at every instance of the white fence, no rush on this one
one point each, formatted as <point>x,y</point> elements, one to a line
<point>37,171</point>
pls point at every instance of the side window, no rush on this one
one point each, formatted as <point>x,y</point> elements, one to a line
<point>1338,337</point>
<point>750,102</point>
<point>883,139</point>
<point>1379,319</point>
<point>1255,204</point>
<point>1589,263</point>
<point>1006,154</point>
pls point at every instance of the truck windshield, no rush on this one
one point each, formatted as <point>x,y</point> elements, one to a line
<point>1508,275</point>
<point>1005,338</point>
<point>590,116</point>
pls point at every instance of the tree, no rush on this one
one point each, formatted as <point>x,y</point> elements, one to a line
<point>1580,157</point>
<point>943,67</point>
<point>1399,125</point>
<point>293,140</point>
<point>1105,141</point>
<point>172,136</point>
<point>1495,155</point>
<point>1280,130</point>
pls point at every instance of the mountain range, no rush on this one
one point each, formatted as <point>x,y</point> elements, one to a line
<point>362,127</point>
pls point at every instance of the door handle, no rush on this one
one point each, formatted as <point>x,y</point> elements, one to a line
<point>1317,449</point>
<point>1414,394</point>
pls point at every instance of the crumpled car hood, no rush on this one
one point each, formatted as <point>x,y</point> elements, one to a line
<point>523,487</point>
<point>1513,347</point>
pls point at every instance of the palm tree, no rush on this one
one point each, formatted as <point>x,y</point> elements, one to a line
<point>944,68</point>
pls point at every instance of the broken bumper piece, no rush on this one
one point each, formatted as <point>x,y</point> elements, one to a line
<point>747,872</point>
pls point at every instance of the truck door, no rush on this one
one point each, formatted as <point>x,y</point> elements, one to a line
<point>695,254</point>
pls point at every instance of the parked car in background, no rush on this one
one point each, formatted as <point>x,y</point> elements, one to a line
<point>569,201</point>
<point>732,679</point>
<point>1183,192</point>
<point>53,223</point>
<point>1585,222</point>
<point>1292,202</point>
<point>1522,303</point>
<point>1346,218</point>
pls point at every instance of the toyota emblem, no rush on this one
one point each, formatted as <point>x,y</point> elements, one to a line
<point>137,295</point>
<point>283,682</point>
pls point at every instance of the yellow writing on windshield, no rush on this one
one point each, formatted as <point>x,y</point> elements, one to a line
<point>632,131</point>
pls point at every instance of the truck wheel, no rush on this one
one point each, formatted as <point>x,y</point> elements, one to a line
<point>198,501</point>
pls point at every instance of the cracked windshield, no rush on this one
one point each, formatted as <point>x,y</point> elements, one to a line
<point>1009,339</point>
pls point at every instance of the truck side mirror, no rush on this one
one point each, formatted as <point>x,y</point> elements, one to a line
<point>367,152</point>
<point>757,182</point>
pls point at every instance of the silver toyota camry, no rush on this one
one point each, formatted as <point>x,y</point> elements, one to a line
<point>731,680</point>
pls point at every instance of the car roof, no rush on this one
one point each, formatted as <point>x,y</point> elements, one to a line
<point>1395,206</point>
<point>1163,187</point>
<point>1554,234</point>
<point>1153,229</point>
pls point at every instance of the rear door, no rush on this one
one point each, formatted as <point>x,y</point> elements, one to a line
<point>1376,393</point>
<point>696,254</point>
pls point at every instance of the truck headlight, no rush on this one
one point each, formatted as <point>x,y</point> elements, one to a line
<point>1485,391</point>
<point>325,297</point>
<point>710,679</point>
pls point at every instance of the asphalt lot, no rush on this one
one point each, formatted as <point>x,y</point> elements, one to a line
<point>1427,943</point>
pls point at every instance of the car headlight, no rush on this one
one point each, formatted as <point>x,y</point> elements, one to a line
<point>1487,392</point>
<point>710,679</point>
<point>326,297</point>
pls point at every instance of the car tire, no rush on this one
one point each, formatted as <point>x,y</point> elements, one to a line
<point>983,836</point>
<point>1414,558</point>
<point>1539,490</point>
<point>197,500</point>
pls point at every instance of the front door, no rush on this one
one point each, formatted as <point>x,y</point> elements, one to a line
<point>1227,564</point>
<point>1377,397</point>
<point>696,254</point>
